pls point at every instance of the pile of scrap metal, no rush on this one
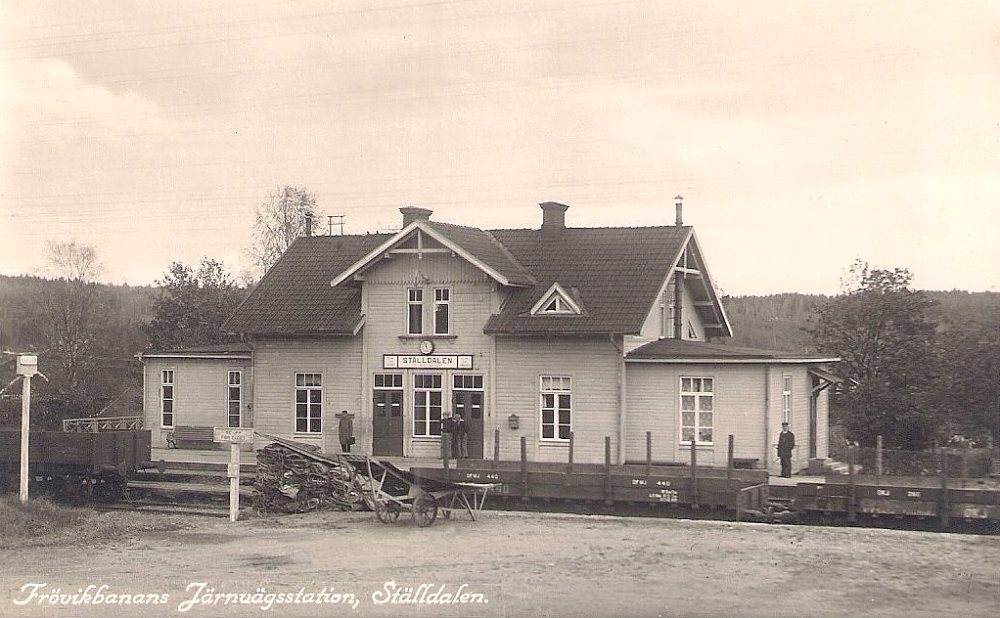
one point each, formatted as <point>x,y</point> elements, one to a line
<point>291,479</point>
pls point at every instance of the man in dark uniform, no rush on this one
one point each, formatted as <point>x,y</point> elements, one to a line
<point>786,442</point>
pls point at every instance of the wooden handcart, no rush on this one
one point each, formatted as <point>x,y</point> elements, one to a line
<point>390,491</point>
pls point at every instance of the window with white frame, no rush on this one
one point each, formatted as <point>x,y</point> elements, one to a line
<point>308,403</point>
<point>414,311</point>
<point>234,395</point>
<point>786,399</point>
<point>427,404</point>
<point>442,311</point>
<point>697,404</point>
<point>557,407</point>
<point>167,398</point>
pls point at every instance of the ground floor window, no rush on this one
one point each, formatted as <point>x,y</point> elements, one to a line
<point>427,404</point>
<point>308,403</point>
<point>235,394</point>
<point>557,407</point>
<point>697,402</point>
<point>167,398</point>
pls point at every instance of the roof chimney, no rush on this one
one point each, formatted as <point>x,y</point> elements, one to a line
<point>309,223</point>
<point>679,204</point>
<point>553,216</point>
<point>415,213</point>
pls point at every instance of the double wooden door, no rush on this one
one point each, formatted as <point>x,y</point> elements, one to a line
<point>387,423</point>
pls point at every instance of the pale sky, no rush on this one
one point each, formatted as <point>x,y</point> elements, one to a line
<point>802,135</point>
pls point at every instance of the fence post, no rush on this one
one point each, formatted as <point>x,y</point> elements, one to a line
<point>524,468</point>
<point>607,470</point>
<point>694,474</point>
<point>496,447</point>
<point>852,496</point>
<point>878,460</point>
<point>569,465</point>
<point>649,453</point>
<point>945,506</point>
<point>729,464</point>
<point>965,464</point>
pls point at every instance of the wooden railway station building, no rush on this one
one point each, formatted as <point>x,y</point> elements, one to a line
<point>534,333</point>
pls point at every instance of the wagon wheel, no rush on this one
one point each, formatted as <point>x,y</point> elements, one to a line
<point>387,511</point>
<point>425,510</point>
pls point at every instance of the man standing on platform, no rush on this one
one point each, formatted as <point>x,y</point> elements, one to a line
<point>786,442</point>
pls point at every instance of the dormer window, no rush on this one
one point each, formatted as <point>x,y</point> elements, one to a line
<point>556,301</point>
<point>557,305</point>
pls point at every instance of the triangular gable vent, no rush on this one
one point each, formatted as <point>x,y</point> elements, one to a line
<point>556,301</point>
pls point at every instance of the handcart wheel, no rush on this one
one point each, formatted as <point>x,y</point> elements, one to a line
<point>425,510</point>
<point>387,511</point>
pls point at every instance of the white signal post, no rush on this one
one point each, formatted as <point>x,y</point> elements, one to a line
<point>235,437</point>
<point>27,366</point>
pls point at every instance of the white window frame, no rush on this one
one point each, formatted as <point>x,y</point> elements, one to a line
<point>411,304</point>
<point>444,302</point>
<point>786,399</point>
<point>556,386</point>
<point>699,395</point>
<point>392,382</point>
<point>238,385</point>
<point>309,403</point>
<point>172,384</point>
<point>424,395</point>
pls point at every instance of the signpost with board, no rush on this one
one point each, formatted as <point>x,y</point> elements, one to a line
<point>235,437</point>
<point>27,366</point>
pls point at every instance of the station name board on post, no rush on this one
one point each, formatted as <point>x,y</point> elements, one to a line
<point>233,434</point>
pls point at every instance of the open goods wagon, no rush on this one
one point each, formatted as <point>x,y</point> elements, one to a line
<point>73,466</point>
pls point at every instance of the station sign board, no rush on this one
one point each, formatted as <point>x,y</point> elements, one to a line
<point>233,434</point>
<point>427,361</point>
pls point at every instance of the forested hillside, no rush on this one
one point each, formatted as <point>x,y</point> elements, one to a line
<point>87,336</point>
<point>781,321</point>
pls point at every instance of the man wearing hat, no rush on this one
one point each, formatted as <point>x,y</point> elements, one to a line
<point>786,442</point>
<point>346,430</point>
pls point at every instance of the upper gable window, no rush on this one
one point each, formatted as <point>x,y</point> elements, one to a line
<point>556,302</point>
<point>414,311</point>
<point>442,311</point>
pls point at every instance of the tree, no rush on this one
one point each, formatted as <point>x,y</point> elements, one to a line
<point>68,312</point>
<point>280,219</point>
<point>880,329</point>
<point>192,305</point>
<point>969,385</point>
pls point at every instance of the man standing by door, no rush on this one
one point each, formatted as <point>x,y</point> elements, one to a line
<point>345,429</point>
<point>786,442</point>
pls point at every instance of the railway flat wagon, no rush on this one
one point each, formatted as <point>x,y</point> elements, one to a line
<point>74,466</point>
<point>635,484</point>
<point>925,497</point>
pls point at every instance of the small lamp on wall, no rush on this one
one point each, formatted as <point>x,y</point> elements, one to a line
<point>513,421</point>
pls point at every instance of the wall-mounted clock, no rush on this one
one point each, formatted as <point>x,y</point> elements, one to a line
<point>426,346</point>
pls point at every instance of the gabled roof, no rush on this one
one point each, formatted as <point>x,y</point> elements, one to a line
<point>472,244</point>
<point>295,296</point>
<point>617,272</point>
<point>684,351</point>
<point>615,275</point>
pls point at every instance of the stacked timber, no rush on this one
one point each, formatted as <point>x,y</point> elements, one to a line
<point>290,481</point>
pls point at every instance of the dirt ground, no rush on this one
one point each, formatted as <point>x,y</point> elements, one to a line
<point>507,564</point>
